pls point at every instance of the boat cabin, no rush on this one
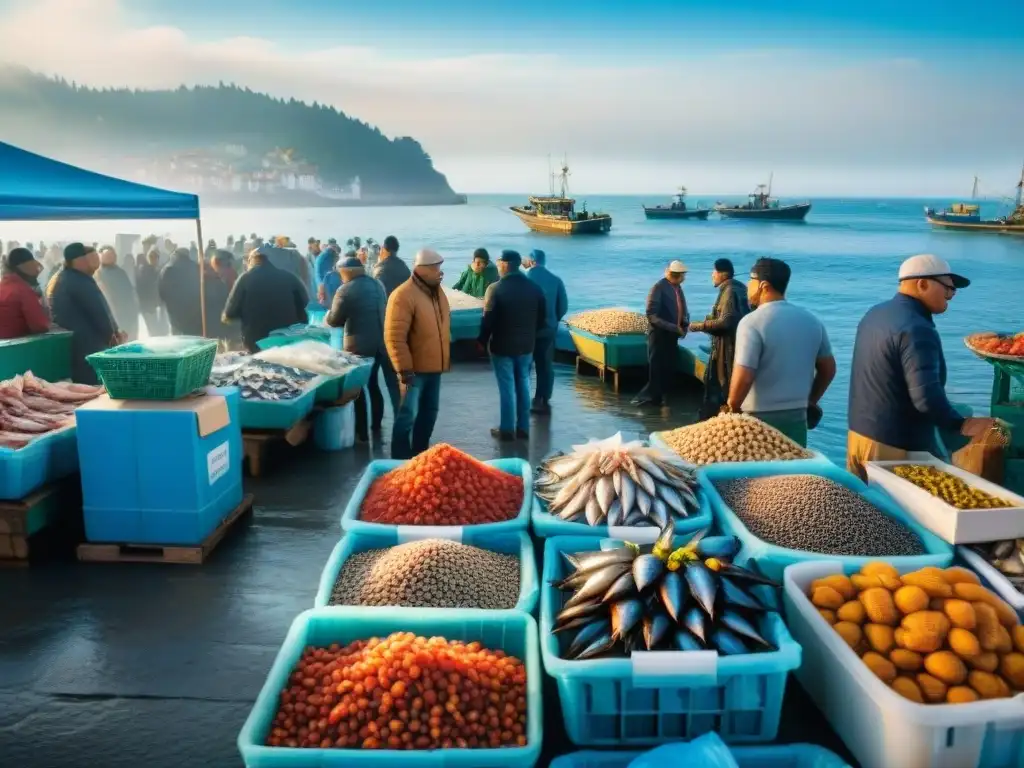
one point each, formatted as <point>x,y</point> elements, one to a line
<point>679,200</point>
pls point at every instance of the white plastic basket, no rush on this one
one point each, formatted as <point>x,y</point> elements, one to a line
<point>991,576</point>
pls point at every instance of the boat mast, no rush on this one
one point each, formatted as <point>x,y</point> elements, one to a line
<point>974,189</point>
<point>1020,187</point>
<point>771,175</point>
<point>564,179</point>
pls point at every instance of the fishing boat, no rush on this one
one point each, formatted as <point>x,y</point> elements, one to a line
<point>761,205</point>
<point>557,214</point>
<point>966,217</point>
<point>677,209</point>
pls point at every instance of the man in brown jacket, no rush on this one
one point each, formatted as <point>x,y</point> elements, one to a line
<point>417,334</point>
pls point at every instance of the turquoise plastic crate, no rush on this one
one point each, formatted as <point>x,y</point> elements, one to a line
<point>795,467</point>
<point>563,339</point>
<point>655,697</point>
<point>465,324</point>
<point>773,559</point>
<point>507,543</point>
<point>333,387</point>
<point>620,351</point>
<point>350,522</point>
<point>49,457</point>
<point>511,631</point>
<point>773,756</point>
<point>276,414</point>
<point>547,525</point>
<point>278,341</point>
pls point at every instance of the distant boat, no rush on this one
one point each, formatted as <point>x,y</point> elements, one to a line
<point>677,210</point>
<point>761,205</point>
<point>966,217</point>
<point>557,214</point>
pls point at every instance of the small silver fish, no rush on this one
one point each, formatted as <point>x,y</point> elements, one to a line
<point>622,587</point>
<point>578,611</point>
<point>617,482</point>
<point>643,501</point>
<point>587,634</point>
<point>646,481</point>
<point>655,627</point>
<point>601,644</point>
<point>615,513</point>
<point>586,562</point>
<point>579,500</point>
<point>672,594</point>
<point>650,466</point>
<point>627,495</point>
<point>593,511</point>
<point>672,498</point>
<point>604,491</point>
<point>660,514</point>
<point>626,614</point>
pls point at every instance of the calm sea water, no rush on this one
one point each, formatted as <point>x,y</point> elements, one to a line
<point>844,259</point>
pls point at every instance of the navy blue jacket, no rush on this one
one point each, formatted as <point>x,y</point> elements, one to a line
<point>514,313</point>
<point>666,308</point>
<point>897,384</point>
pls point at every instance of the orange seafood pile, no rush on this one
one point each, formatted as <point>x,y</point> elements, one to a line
<point>1000,345</point>
<point>403,692</point>
<point>443,486</point>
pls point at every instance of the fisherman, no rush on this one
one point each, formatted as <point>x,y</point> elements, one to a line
<point>730,307</point>
<point>147,289</point>
<point>312,253</point>
<point>390,269</point>
<point>179,291</point>
<point>283,255</point>
<point>897,382</point>
<point>21,305</point>
<point>359,307</point>
<point>78,305</point>
<point>264,299</point>
<point>332,282</point>
<point>514,313</point>
<point>556,305</point>
<point>223,263</point>
<point>670,320</point>
<point>119,292</point>
<point>326,263</point>
<point>783,361</point>
<point>417,334</point>
<point>480,273</point>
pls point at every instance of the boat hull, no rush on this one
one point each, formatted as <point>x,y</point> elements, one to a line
<point>555,225</point>
<point>943,222</point>
<point>782,213</point>
<point>669,213</point>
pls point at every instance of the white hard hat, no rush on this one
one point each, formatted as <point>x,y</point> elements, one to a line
<point>426,257</point>
<point>928,265</point>
<point>677,267</point>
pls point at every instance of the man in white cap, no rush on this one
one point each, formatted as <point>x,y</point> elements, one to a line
<point>897,383</point>
<point>417,334</point>
<point>670,320</point>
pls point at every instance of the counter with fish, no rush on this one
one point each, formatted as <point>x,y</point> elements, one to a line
<point>340,371</point>
<point>37,432</point>
<point>671,639</point>
<point>273,396</point>
<point>616,488</point>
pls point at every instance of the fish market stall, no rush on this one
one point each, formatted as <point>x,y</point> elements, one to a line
<point>273,396</point>
<point>47,355</point>
<point>610,340</point>
<point>343,375</point>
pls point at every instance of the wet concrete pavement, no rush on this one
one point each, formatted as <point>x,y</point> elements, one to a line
<point>124,666</point>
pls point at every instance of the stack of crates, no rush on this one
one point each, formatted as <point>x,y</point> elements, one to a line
<point>1008,405</point>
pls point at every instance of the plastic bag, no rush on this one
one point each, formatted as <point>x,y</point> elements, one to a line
<point>707,751</point>
<point>984,455</point>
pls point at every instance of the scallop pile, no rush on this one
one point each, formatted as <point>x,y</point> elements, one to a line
<point>432,573</point>
<point>815,514</point>
<point>609,322</point>
<point>732,437</point>
<point>614,482</point>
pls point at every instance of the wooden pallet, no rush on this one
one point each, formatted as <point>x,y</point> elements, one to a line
<point>47,521</point>
<point>156,553</point>
<point>584,365</point>
<point>256,442</point>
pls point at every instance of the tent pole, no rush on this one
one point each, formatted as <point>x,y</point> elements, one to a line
<point>202,272</point>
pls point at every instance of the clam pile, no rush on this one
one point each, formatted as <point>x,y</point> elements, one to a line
<point>609,322</point>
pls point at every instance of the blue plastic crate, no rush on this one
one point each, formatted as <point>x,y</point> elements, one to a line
<point>23,470</point>
<point>507,543</point>
<point>773,756</point>
<point>773,559</point>
<point>511,631</point>
<point>63,459</point>
<point>563,339</point>
<point>465,324</point>
<point>655,697</point>
<point>795,467</point>
<point>277,414</point>
<point>547,525</point>
<point>350,522</point>
<point>334,429</point>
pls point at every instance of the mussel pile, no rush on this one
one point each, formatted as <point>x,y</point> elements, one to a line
<point>1007,557</point>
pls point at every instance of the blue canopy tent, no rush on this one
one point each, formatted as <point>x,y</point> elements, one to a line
<point>37,188</point>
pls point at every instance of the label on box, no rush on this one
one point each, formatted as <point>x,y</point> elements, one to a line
<point>217,462</point>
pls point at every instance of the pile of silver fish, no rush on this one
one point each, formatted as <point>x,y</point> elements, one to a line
<point>614,482</point>
<point>689,598</point>
<point>259,380</point>
<point>1007,557</point>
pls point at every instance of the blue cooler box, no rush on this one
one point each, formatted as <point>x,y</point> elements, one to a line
<point>159,472</point>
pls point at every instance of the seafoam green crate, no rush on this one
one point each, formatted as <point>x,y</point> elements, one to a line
<point>47,355</point>
<point>622,351</point>
<point>276,414</point>
<point>164,368</point>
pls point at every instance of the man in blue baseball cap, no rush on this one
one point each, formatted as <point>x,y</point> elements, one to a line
<point>556,303</point>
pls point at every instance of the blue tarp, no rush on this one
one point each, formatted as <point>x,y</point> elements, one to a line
<point>36,188</point>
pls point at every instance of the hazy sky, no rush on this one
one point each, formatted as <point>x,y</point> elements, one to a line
<point>869,97</point>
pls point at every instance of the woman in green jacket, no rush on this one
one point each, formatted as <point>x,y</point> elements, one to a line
<point>478,275</point>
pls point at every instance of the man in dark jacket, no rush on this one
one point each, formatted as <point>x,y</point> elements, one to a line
<point>21,305</point>
<point>78,306</point>
<point>265,298</point>
<point>514,313</point>
<point>669,319</point>
<point>358,307</point>
<point>390,269</point>
<point>898,378</point>
<point>179,291</point>
<point>147,288</point>
<point>119,292</point>
<point>730,307</point>
<point>556,302</point>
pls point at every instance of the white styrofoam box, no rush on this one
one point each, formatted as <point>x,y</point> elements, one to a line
<point>991,576</point>
<point>881,728</point>
<point>956,526</point>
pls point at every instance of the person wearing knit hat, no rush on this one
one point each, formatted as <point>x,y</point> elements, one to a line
<point>729,308</point>
<point>478,275</point>
<point>359,307</point>
<point>21,306</point>
<point>417,334</point>
<point>556,305</point>
<point>670,321</point>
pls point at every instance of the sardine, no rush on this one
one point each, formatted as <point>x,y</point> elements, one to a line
<point>565,465</point>
<point>601,644</point>
<point>617,482</point>
<point>695,621</point>
<point>604,491</point>
<point>703,584</point>
<point>660,514</point>
<point>587,634</point>
<point>673,594</point>
<point>738,624</point>
<point>630,465</point>
<point>592,561</point>
<point>621,588</point>
<point>615,513</point>
<point>721,547</point>
<point>734,594</point>
<point>597,583</point>
<point>646,571</point>
<point>650,466</point>
<point>627,495</point>
<point>684,641</point>
<point>655,627</point>
<point>643,500</point>
<point>746,575</point>
<point>579,501</point>
<point>726,642</point>
<point>646,482</point>
<point>593,512</point>
<point>578,611</point>
<point>626,614</point>
<point>636,519</point>
<point>672,498</point>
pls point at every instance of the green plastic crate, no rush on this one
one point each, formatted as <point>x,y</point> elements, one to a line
<point>136,372</point>
<point>47,355</point>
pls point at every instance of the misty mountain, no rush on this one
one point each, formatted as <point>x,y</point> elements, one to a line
<point>54,116</point>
